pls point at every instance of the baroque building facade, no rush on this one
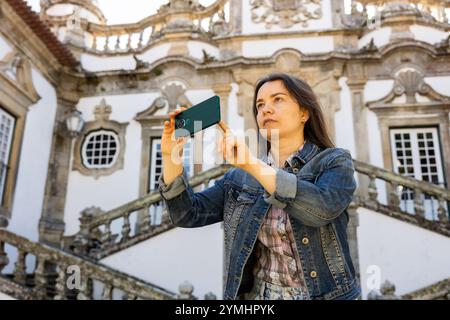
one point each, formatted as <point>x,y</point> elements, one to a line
<point>380,68</point>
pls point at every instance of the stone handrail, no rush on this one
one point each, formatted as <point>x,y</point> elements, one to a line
<point>396,184</point>
<point>133,37</point>
<point>60,264</point>
<point>96,237</point>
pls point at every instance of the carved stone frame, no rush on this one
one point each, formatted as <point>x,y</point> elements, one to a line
<point>101,123</point>
<point>16,96</point>
<point>436,116</point>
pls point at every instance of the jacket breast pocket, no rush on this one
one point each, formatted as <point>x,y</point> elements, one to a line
<point>235,211</point>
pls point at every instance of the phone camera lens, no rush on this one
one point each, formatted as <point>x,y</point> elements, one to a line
<point>181,123</point>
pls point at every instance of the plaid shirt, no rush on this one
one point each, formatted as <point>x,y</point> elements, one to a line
<point>277,260</point>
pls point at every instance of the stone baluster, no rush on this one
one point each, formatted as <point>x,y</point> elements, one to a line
<point>129,296</point>
<point>126,227</point>
<point>128,47</point>
<point>85,292</point>
<point>4,261</point>
<point>94,43</point>
<point>145,223</point>
<point>106,236</point>
<point>387,292</point>
<point>210,296</point>
<point>108,43</point>
<point>61,283</point>
<point>442,213</point>
<point>20,267</point>
<point>373,193</point>
<point>107,292</point>
<point>418,203</point>
<point>141,40</point>
<point>206,183</point>
<point>394,200</point>
<point>40,277</point>
<point>117,46</point>
<point>82,240</point>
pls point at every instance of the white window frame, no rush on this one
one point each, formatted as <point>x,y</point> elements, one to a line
<point>430,205</point>
<point>84,149</point>
<point>4,160</point>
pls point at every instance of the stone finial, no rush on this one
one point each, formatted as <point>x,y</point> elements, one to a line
<point>102,111</point>
<point>186,289</point>
<point>387,292</point>
<point>210,296</point>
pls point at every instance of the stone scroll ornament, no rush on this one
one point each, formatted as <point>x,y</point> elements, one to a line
<point>285,13</point>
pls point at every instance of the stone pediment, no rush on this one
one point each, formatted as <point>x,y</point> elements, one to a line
<point>173,95</point>
<point>409,88</point>
<point>17,69</point>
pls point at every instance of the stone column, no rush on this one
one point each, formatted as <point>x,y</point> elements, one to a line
<point>360,130</point>
<point>223,91</point>
<point>51,224</point>
<point>352,236</point>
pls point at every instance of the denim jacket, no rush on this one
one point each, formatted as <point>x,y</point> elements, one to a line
<point>315,188</point>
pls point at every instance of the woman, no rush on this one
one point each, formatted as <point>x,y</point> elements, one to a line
<point>284,214</point>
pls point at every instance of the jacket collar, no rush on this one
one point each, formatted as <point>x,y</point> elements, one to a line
<point>299,157</point>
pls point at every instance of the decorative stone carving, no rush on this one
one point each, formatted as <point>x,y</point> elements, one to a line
<point>220,26</point>
<point>102,121</point>
<point>181,5</point>
<point>285,13</point>
<point>409,83</point>
<point>140,64</point>
<point>15,67</point>
<point>172,95</point>
<point>370,47</point>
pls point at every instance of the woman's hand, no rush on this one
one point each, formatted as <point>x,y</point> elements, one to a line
<point>234,149</point>
<point>170,147</point>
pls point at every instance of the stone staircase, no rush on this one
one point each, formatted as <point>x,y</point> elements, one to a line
<point>96,239</point>
<point>59,275</point>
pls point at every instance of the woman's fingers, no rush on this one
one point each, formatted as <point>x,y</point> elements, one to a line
<point>225,128</point>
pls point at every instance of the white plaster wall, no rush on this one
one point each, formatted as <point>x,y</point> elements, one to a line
<point>377,89</point>
<point>249,27</point>
<point>439,84</point>
<point>6,297</point>
<point>122,186</point>
<point>380,37</point>
<point>428,34</point>
<point>4,48</point>
<point>306,45</point>
<point>343,120</point>
<point>407,255</point>
<point>65,9</point>
<point>178,255</point>
<point>155,53</point>
<point>108,192</point>
<point>98,63</point>
<point>34,160</point>
<point>195,49</point>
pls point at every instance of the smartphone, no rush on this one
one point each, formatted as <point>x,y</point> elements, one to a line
<point>198,117</point>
